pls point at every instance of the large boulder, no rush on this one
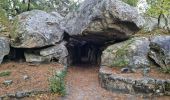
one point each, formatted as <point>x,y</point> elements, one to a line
<point>4,48</point>
<point>131,53</point>
<point>160,51</point>
<point>35,29</point>
<point>57,52</point>
<point>109,19</point>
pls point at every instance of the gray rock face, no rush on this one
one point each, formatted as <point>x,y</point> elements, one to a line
<point>35,29</point>
<point>111,18</point>
<point>160,51</point>
<point>58,52</point>
<point>131,53</point>
<point>132,84</point>
<point>151,24</point>
<point>4,48</point>
<point>36,58</point>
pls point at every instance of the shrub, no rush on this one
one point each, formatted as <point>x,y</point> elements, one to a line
<point>57,83</point>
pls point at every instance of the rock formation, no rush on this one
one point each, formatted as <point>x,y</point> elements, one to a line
<point>34,29</point>
<point>160,51</point>
<point>4,48</point>
<point>131,53</point>
<point>106,20</point>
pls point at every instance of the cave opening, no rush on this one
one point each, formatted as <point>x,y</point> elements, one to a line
<point>15,54</point>
<point>87,49</point>
<point>83,52</point>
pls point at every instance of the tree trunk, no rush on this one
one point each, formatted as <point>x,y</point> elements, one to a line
<point>29,2</point>
<point>159,19</point>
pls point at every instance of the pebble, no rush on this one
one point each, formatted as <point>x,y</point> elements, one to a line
<point>158,91</point>
<point>124,70</point>
<point>21,94</point>
<point>25,77</point>
<point>133,70</point>
<point>8,82</point>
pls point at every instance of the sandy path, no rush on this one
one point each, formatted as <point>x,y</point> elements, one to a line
<point>83,84</point>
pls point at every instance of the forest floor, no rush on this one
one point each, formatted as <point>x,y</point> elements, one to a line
<point>81,83</point>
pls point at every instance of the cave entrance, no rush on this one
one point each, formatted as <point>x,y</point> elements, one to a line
<point>82,51</point>
<point>15,54</point>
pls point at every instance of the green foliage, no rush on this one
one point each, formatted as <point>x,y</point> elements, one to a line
<point>131,2</point>
<point>5,73</point>
<point>5,25</point>
<point>57,84</point>
<point>3,18</point>
<point>158,7</point>
<point>166,70</point>
<point>14,7</point>
<point>121,55</point>
<point>14,28</point>
<point>167,86</point>
<point>121,62</point>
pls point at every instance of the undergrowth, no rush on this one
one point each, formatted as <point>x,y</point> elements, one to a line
<point>57,83</point>
<point>5,73</point>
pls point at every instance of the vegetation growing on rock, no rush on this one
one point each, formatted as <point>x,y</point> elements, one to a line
<point>57,83</point>
<point>131,2</point>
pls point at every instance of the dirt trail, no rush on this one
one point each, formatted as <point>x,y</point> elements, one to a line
<point>83,84</point>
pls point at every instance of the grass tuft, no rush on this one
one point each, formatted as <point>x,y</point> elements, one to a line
<point>5,73</point>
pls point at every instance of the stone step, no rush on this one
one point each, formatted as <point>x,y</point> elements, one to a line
<point>132,83</point>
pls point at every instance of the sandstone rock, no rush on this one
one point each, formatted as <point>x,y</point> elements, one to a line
<point>58,52</point>
<point>131,84</point>
<point>4,48</point>
<point>131,53</point>
<point>21,94</point>
<point>111,19</point>
<point>56,14</point>
<point>151,24</point>
<point>35,58</point>
<point>35,29</point>
<point>160,51</point>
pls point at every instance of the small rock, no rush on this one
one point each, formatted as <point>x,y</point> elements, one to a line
<point>25,77</point>
<point>124,70</point>
<point>21,94</point>
<point>133,70</point>
<point>158,91</point>
<point>146,71</point>
<point>7,82</point>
